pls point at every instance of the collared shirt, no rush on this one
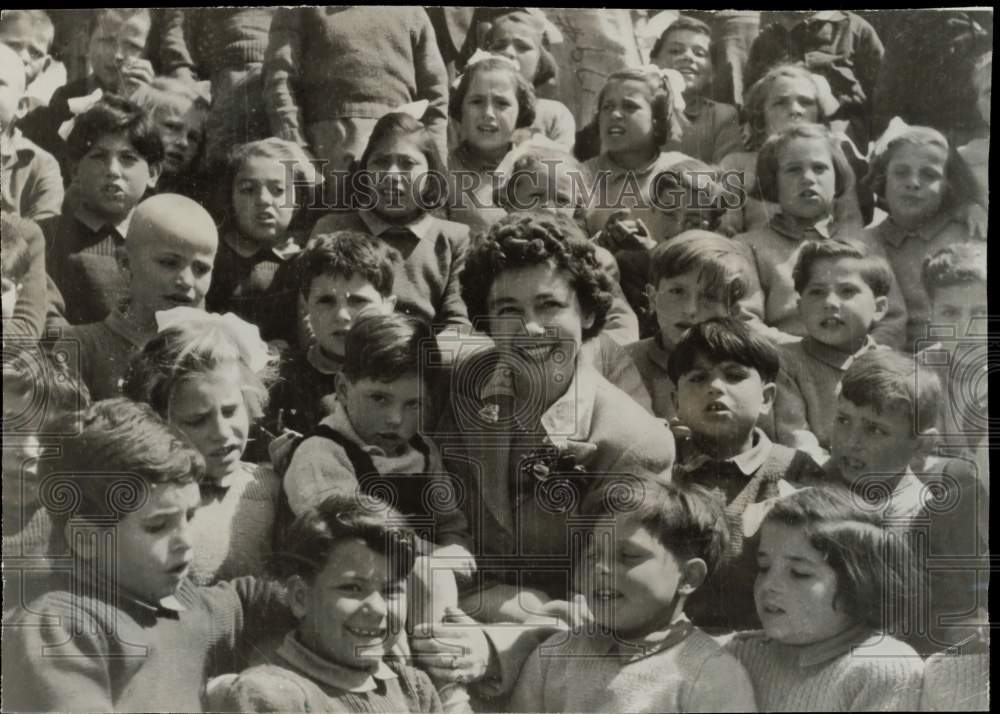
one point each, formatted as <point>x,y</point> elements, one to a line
<point>746,462</point>
<point>906,250</point>
<point>332,673</point>
<point>790,228</point>
<point>420,228</point>
<point>247,248</point>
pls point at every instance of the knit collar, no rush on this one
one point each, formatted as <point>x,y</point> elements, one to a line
<point>747,462</point>
<point>330,673</point>
<point>820,652</point>
<point>833,357</point>
<point>895,234</point>
<point>322,362</point>
<point>420,228</point>
<point>790,228</point>
<point>653,643</point>
<point>248,249</point>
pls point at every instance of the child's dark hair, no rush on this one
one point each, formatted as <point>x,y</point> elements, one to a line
<point>874,269</point>
<point>884,380</point>
<point>723,264</point>
<point>958,264</point>
<point>523,91</point>
<point>724,339</point>
<point>756,100</point>
<point>384,348</point>
<point>311,538</point>
<point>665,124</point>
<point>395,125</point>
<point>14,257</point>
<point>115,115</point>
<point>689,520</point>
<point>534,238</point>
<point>684,23</point>
<point>547,67</point>
<point>875,573</point>
<point>960,183</point>
<point>346,254</point>
<point>770,154</point>
<point>693,185</point>
<point>122,451</point>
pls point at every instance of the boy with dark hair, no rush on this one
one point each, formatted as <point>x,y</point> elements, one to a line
<point>342,275</point>
<point>643,562</point>
<point>843,293</point>
<point>115,155</point>
<point>725,375</point>
<point>130,632</point>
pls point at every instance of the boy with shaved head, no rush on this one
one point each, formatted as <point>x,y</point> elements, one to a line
<point>167,262</point>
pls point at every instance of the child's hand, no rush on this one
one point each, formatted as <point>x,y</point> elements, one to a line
<point>573,612</point>
<point>453,652</point>
<point>135,73</point>
<point>622,232</point>
<point>280,449</point>
<point>457,558</point>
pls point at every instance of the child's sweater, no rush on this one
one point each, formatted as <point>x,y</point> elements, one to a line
<point>31,183</point>
<point>330,62</point>
<point>906,251</point>
<point>856,670</point>
<point>258,286</point>
<point>725,601</point>
<point>320,467</point>
<point>960,680</point>
<point>85,649</point>
<point>807,391</point>
<point>618,188</point>
<point>687,671</point>
<point>232,528</point>
<point>210,40</point>
<point>775,250</point>
<point>101,352</point>
<point>303,681</point>
<point>470,190</point>
<point>296,401</point>
<point>80,257</point>
<point>651,360</point>
<point>427,283</point>
<point>713,132</point>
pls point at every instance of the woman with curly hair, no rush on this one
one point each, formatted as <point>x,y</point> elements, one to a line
<point>531,427</point>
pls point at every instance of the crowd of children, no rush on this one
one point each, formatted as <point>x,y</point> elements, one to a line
<point>342,372</point>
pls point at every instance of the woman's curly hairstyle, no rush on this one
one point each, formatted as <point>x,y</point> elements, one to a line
<point>532,238</point>
<point>523,91</point>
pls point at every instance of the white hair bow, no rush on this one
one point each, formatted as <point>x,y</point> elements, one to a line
<point>481,56</point>
<point>252,348</point>
<point>77,106</point>
<point>897,127</point>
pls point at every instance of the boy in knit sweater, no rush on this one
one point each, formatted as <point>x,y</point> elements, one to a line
<point>130,632</point>
<point>641,564</point>
<point>725,375</point>
<point>843,293</point>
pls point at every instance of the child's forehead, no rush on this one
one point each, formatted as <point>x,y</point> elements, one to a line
<point>169,497</point>
<point>341,283</point>
<point>355,557</point>
<point>630,88</point>
<point>785,85</point>
<point>683,35</point>
<point>924,152</point>
<point>895,414</point>
<point>260,166</point>
<point>708,362</point>
<point>492,81</point>
<point>836,268</point>
<point>812,147</point>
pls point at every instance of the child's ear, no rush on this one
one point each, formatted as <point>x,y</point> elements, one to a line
<point>588,320</point>
<point>927,440</point>
<point>693,574</point>
<point>342,383</point>
<point>881,308</point>
<point>154,175</point>
<point>23,107</point>
<point>298,592</point>
<point>768,392</point>
<point>650,293</point>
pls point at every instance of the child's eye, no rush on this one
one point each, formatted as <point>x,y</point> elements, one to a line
<point>229,411</point>
<point>735,375</point>
<point>168,262</point>
<point>875,431</point>
<point>842,420</point>
<point>799,575</point>
<point>379,398</point>
<point>349,588</point>
<point>763,567</point>
<point>156,526</point>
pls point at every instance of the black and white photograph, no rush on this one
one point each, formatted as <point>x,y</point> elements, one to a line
<point>462,359</point>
